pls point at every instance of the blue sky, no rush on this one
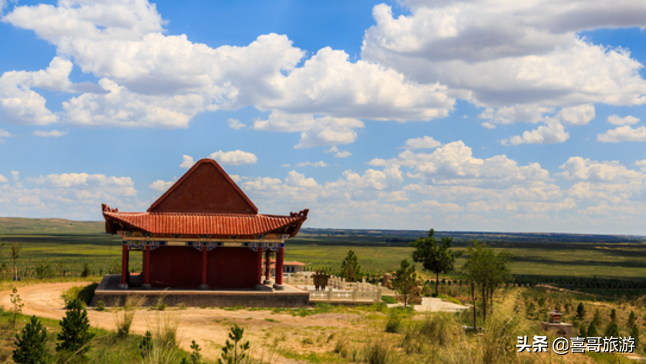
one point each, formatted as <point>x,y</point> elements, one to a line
<point>457,115</point>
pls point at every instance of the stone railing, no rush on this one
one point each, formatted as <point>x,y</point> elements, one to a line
<point>339,289</point>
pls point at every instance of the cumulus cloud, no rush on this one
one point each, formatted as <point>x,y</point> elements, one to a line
<point>234,157</point>
<point>187,162</point>
<point>150,79</point>
<point>315,131</point>
<point>161,185</point>
<point>3,179</point>
<point>617,120</point>
<point>4,134</point>
<point>312,164</point>
<point>425,142</point>
<point>338,153</point>
<point>236,124</point>
<point>519,59</point>
<point>584,169</point>
<point>623,134</point>
<point>51,133</point>
<point>551,133</point>
<point>455,164</point>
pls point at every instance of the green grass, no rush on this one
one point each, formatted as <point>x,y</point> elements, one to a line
<point>76,243</point>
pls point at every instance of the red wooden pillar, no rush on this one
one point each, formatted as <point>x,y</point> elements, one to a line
<point>259,265</point>
<point>279,266</point>
<point>124,267</point>
<point>267,266</point>
<point>146,268</point>
<point>203,284</point>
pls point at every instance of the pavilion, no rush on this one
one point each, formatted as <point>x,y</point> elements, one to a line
<point>204,233</point>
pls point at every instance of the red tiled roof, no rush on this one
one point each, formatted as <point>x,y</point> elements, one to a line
<point>204,223</point>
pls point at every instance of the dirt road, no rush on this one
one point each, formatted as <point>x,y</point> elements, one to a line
<point>208,327</point>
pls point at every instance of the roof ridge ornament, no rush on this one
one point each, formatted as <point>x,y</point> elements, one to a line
<point>107,208</point>
<point>302,213</point>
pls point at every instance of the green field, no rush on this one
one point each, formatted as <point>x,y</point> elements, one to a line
<point>76,243</point>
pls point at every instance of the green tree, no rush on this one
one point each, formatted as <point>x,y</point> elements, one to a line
<point>612,329</point>
<point>632,319</point>
<point>592,329</point>
<point>580,311</point>
<point>613,315</point>
<point>230,354</point>
<point>44,270</point>
<point>404,279</point>
<point>436,258</point>
<point>16,301</point>
<point>583,331</point>
<point>146,345</point>
<point>350,268</point>
<point>75,332</point>
<point>634,332</point>
<point>30,343</point>
<point>195,357</point>
<point>486,269</point>
<point>15,254</point>
<point>86,270</point>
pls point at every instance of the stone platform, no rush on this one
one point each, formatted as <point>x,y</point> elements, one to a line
<point>109,292</point>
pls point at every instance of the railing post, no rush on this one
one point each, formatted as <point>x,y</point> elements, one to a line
<point>330,294</point>
<point>354,294</point>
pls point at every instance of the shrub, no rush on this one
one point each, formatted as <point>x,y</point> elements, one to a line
<point>44,270</point>
<point>341,346</point>
<point>378,352</point>
<point>388,299</point>
<point>75,332</point>
<point>100,305</point>
<point>437,327</point>
<point>30,344</point>
<point>394,322</point>
<point>16,301</point>
<point>84,294</point>
<point>86,270</point>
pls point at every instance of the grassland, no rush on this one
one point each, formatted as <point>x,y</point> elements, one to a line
<point>538,255</point>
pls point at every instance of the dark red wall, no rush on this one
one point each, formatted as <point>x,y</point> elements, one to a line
<point>231,268</point>
<point>175,266</point>
<point>181,267</point>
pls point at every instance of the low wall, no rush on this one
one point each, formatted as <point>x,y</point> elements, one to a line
<point>196,298</point>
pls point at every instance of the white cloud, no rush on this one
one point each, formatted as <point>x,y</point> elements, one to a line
<point>623,134</point>
<point>312,164</point>
<point>236,124</point>
<point>3,179</point>
<point>149,79</point>
<point>425,142</point>
<point>161,185</point>
<point>521,55</point>
<point>4,134</point>
<point>617,120</point>
<point>187,162</point>
<point>234,157</point>
<point>15,175</point>
<point>583,169</point>
<point>551,133</point>
<point>338,153</point>
<point>51,133</point>
<point>319,131</point>
<point>576,115</point>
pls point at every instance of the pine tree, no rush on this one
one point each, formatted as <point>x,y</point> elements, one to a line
<point>580,311</point>
<point>592,330</point>
<point>583,331</point>
<point>230,354</point>
<point>30,344</point>
<point>350,268</point>
<point>613,315</point>
<point>75,330</point>
<point>146,345</point>
<point>632,319</point>
<point>634,332</point>
<point>611,330</point>
<point>405,279</point>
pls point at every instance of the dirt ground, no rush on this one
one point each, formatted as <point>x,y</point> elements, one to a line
<point>208,327</point>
